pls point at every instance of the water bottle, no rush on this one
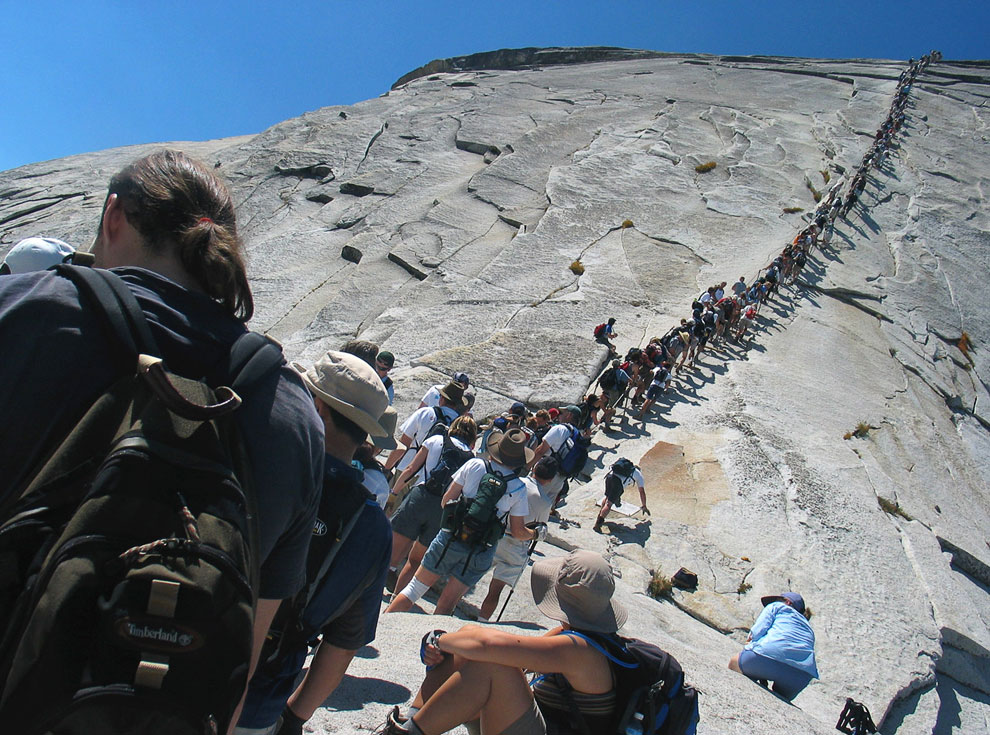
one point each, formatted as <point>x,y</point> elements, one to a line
<point>635,726</point>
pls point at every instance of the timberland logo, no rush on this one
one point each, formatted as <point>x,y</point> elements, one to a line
<point>319,528</point>
<point>157,636</point>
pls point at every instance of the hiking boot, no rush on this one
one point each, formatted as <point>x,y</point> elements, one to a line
<point>597,528</point>
<point>394,724</point>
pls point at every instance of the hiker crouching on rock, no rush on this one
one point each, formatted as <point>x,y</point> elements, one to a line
<point>475,676</point>
<point>340,604</point>
<point>622,473</point>
<point>484,497</point>
<point>781,646</point>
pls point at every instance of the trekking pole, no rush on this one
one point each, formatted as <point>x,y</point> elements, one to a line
<point>529,553</point>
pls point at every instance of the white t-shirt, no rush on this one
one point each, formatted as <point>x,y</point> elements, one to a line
<point>432,397</point>
<point>416,427</point>
<point>377,484</point>
<point>513,503</point>
<point>540,499</point>
<point>557,437</point>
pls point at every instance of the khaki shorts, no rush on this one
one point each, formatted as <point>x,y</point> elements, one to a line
<point>510,560</point>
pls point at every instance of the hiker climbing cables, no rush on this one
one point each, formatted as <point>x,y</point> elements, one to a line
<point>485,498</point>
<point>622,473</point>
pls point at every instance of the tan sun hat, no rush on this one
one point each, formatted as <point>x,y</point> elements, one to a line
<point>577,589</point>
<point>349,385</point>
<point>510,448</point>
<point>454,393</point>
<point>388,421</point>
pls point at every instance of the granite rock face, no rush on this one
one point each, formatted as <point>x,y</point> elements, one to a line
<point>441,221</point>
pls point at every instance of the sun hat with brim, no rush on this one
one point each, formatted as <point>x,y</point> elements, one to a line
<point>388,421</point>
<point>797,602</point>
<point>577,589</point>
<point>509,449</point>
<point>38,254</point>
<point>349,385</point>
<point>454,393</point>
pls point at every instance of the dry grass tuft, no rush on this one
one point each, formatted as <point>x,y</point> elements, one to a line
<point>965,344</point>
<point>793,210</point>
<point>626,224</point>
<point>577,268</point>
<point>743,588</point>
<point>704,168</point>
<point>826,175</point>
<point>861,431</point>
<point>892,508</point>
<point>659,586</point>
<point>814,192</point>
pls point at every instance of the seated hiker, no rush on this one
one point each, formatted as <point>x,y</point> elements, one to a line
<point>622,473</point>
<point>348,558</point>
<point>780,647</point>
<point>41,253</point>
<point>604,334</point>
<point>417,520</point>
<point>486,498</point>
<point>512,555</point>
<point>425,422</point>
<point>476,675</point>
<point>613,382</point>
<point>432,396</point>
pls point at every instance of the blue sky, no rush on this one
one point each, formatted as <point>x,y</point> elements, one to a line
<point>82,76</point>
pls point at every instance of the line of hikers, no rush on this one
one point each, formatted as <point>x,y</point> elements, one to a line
<point>204,512</point>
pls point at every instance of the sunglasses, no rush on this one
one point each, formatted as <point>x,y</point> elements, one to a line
<point>383,366</point>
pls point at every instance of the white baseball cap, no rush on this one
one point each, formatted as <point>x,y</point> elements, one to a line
<point>38,254</point>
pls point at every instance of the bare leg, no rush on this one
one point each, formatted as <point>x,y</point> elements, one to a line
<point>498,694</point>
<point>400,547</point>
<point>451,595</point>
<point>734,664</point>
<point>401,603</point>
<point>491,600</point>
<point>412,564</point>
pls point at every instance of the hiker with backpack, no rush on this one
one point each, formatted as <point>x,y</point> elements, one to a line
<point>169,233</point>
<point>566,443</point>
<point>591,680</point>
<point>660,381</point>
<point>780,647</point>
<point>622,473</point>
<point>512,555</point>
<point>417,520</point>
<point>613,381</point>
<point>337,611</point>
<point>604,334</point>
<point>485,499</point>
<point>425,422</point>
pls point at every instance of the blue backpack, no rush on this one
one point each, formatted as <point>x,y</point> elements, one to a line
<point>573,454</point>
<point>651,696</point>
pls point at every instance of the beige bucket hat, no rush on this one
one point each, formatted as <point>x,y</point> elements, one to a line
<point>577,589</point>
<point>388,421</point>
<point>349,385</point>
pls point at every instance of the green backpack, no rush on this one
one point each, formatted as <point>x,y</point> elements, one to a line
<point>475,521</point>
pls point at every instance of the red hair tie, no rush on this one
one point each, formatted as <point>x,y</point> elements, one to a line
<point>204,219</point>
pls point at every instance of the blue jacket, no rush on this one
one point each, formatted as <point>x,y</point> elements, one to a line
<point>783,634</point>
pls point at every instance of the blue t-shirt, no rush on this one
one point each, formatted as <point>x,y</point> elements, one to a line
<point>783,634</point>
<point>350,600</point>
<point>58,358</point>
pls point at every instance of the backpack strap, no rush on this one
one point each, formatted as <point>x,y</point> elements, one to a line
<point>122,315</point>
<point>252,357</point>
<point>596,643</point>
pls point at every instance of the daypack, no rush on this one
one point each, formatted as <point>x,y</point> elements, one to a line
<point>573,453</point>
<point>651,695</point>
<point>623,467</point>
<point>615,480</point>
<point>600,331</point>
<point>474,521</point>
<point>341,505</point>
<point>452,457</point>
<point>128,562</point>
<point>609,379</point>
<point>440,424</point>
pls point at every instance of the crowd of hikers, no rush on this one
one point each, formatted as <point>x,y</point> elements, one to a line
<point>160,566</point>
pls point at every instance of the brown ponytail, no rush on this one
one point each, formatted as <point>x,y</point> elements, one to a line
<point>175,202</point>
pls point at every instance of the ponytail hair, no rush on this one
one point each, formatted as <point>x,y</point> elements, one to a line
<point>176,203</point>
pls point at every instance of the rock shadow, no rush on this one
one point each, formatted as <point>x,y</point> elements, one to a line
<point>638,534</point>
<point>354,692</point>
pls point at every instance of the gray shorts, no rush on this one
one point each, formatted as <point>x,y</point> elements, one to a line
<point>511,558</point>
<point>418,517</point>
<point>465,564</point>
<point>530,722</point>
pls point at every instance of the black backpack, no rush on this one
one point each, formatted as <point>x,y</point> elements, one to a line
<point>609,379</point>
<point>440,424</point>
<point>651,695</point>
<point>452,457</point>
<point>341,504</point>
<point>128,561</point>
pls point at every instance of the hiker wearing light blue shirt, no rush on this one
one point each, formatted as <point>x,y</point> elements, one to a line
<point>781,646</point>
